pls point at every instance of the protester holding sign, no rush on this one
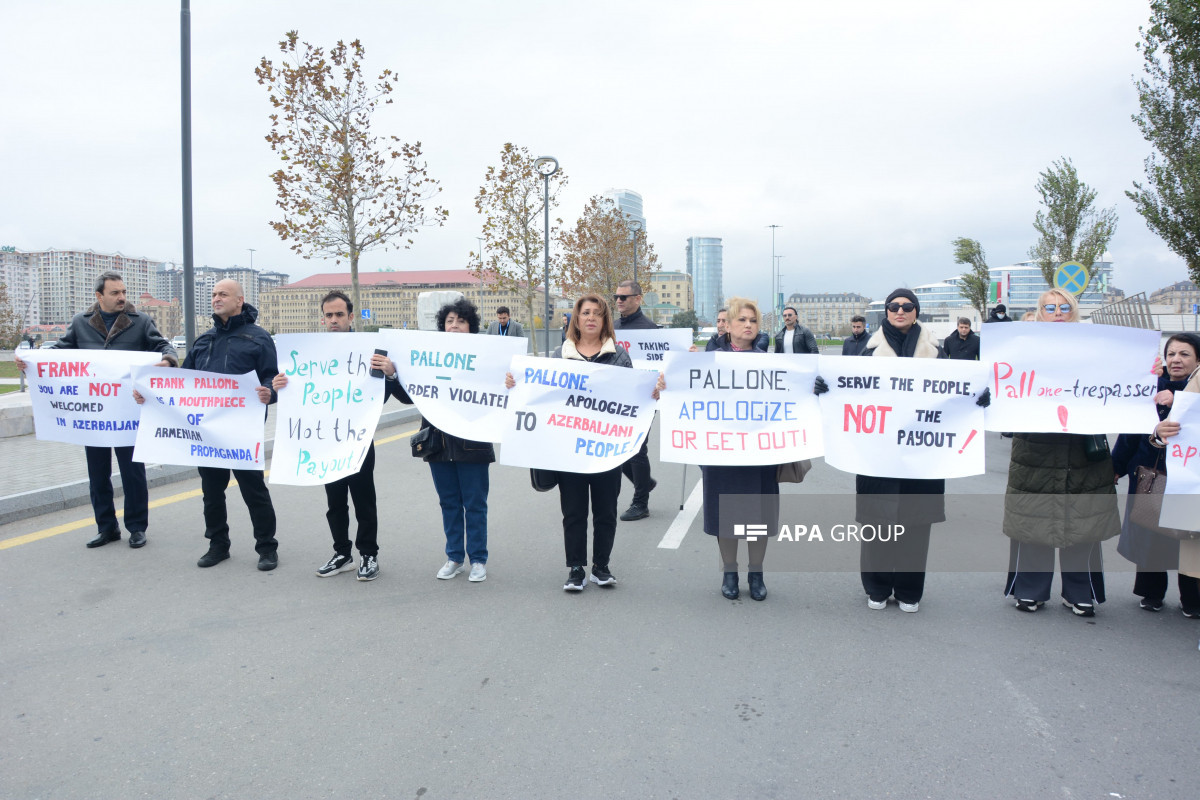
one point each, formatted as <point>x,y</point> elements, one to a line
<point>460,473</point>
<point>629,305</point>
<point>112,323</point>
<point>896,567</point>
<point>1060,497</point>
<point>757,481</point>
<point>1189,549</point>
<point>1152,552</point>
<point>234,345</point>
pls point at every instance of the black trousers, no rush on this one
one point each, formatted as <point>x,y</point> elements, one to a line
<point>361,487</point>
<point>214,481</point>
<point>1031,572</point>
<point>133,484</point>
<point>573,496</point>
<point>637,469</point>
<point>1153,586</point>
<point>896,567</point>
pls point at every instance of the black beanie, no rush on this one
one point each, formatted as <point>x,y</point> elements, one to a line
<point>907,294</point>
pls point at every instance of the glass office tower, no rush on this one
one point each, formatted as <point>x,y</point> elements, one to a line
<point>704,254</point>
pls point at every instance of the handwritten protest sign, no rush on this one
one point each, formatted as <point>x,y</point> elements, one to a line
<point>84,396</point>
<point>457,380</point>
<point>204,419</point>
<point>739,409</point>
<point>1181,499</point>
<point>648,347</point>
<point>575,416</point>
<point>1072,378</point>
<point>327,414</point>
<point>903,417</point>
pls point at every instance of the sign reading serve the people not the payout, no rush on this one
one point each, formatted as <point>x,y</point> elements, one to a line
<point>84,396</point>
<point>1050,377</point>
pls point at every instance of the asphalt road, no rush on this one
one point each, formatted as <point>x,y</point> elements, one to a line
<point>127,674</point>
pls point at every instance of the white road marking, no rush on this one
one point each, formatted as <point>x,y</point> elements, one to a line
<point>683,520</point>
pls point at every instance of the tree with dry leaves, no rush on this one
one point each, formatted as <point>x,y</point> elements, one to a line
<point>10,322</point>
<point>343,190</point>
<point>598,251</point>
<point>512,205</point>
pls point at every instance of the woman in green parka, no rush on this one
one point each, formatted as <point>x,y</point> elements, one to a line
<point>1060,497</point>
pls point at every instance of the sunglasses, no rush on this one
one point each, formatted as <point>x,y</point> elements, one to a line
<point>620,297</point>
<point>905,307</point>
<point>1063,307</point>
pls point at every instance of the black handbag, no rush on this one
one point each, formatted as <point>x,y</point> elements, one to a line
<point>543,480</point>
<point>1095,447</point>
<point>1145,505</point>
<point>426,442</point>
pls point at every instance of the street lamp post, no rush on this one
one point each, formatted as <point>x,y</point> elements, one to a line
<point>547,166</point>
<point>774,305</point>
<point>251,249</point>
<point>635,226</point>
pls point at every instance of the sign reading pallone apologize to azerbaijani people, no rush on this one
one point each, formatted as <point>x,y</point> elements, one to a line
<point>84,396</point>
<point>1054,377</point>
<point>903,417</point>
<point>202,419</point>
<point>575,416</point>
<point>456,379</point>
<point>738,409</point>
<point>326,415</point>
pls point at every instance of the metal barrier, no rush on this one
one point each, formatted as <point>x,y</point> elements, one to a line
<point>1132,312</point>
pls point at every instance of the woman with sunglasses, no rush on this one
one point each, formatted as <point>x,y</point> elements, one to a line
<point>898,568</point>
<point>1060,497</point>
<point>1152,552</point>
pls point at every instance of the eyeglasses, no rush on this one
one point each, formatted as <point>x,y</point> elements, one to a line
<point>905,307</point>
<point>620,297</point>
<point>1063,307</point>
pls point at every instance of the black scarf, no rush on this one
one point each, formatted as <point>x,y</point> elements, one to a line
<point>903,344</point>
<point>1165,382</point>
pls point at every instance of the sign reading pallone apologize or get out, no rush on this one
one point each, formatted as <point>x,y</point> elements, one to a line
<point>457,380</point>
<point>739,409</point>
<point>648,347</point>
<point>84,396</point>
<point>201,419</point>
<point>903,417</point>
<point>1049,377</point>
<point>327,414</point>
<point>575,416</point>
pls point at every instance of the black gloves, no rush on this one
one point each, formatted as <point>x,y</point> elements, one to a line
<point>985,398</point>
<point>820,386</point>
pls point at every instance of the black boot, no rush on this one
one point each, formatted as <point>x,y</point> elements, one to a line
<point>729,587</point>
<point>758,591</point>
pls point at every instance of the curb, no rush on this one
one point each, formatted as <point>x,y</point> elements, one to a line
<point>69,495</point>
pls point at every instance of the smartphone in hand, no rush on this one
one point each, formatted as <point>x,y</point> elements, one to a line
<point>378,373</point>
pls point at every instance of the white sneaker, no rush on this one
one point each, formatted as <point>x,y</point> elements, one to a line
<point>910,608</point>
<point>876,605</point>
<point>449,570</point>
<point>478,573</point>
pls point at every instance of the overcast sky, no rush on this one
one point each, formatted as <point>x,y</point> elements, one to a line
<point>873,132</point>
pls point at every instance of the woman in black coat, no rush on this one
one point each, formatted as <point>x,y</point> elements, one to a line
<point>1152,552</point>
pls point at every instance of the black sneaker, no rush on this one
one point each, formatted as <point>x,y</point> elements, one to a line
<point>339,563</point>
<point>1081,609</point>
<point>368,568</point>
<point>1151,605</point>
<point>635,513</point>
<point>268,561</point>
<point>602,577</point>
<point>1029,605</point>
<point>212,558</point>
<point>1191,613</point>
<point>576,580</point>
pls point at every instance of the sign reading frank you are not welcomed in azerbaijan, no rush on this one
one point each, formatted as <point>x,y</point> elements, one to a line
<point>84,396</point>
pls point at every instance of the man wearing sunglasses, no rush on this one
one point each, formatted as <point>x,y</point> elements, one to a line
<point>637,469</point>
<point>794,338</point>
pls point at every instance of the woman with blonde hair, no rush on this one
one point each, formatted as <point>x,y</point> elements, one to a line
<point>1060,498</point>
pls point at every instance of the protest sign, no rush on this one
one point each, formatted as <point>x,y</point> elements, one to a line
<point>457,380</point>
<point>1051,377</point>
<point>1181,499</point>
<point>648,346</point>
<point>204,419</point>
<point>326,415</point>
<point>739,409</point>
<point>84,396</point>
<point>903,417</point>
<point>575,416</point>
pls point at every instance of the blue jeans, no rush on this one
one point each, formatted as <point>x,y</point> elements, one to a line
<point>462,492</point>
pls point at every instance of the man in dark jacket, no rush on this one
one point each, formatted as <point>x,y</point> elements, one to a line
<point>963,344</point>
<point>337,315</point>
<point>856,343</point>
<point>637,469</point>
<point>794,337</point>
<point>999,314</point>
<point>114,324</point>
<point>717,339</point>
<point>234,345</point>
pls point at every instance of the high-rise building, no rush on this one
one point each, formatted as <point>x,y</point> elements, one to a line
<point>704,255</point>
<point>167,284</point>
<point>629,203</point>
<point>19,275</point>
<point>62,283</point>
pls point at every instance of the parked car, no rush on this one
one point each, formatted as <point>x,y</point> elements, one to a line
<point>179,342</point>
<point>24,345</point>
<point>46,346</point>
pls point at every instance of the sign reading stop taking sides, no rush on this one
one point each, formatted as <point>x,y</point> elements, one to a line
<point>648,347</point>
<point>1049,377</point>
<point>903,417</point>
<point>739,409</point>
<point>575,416</point>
